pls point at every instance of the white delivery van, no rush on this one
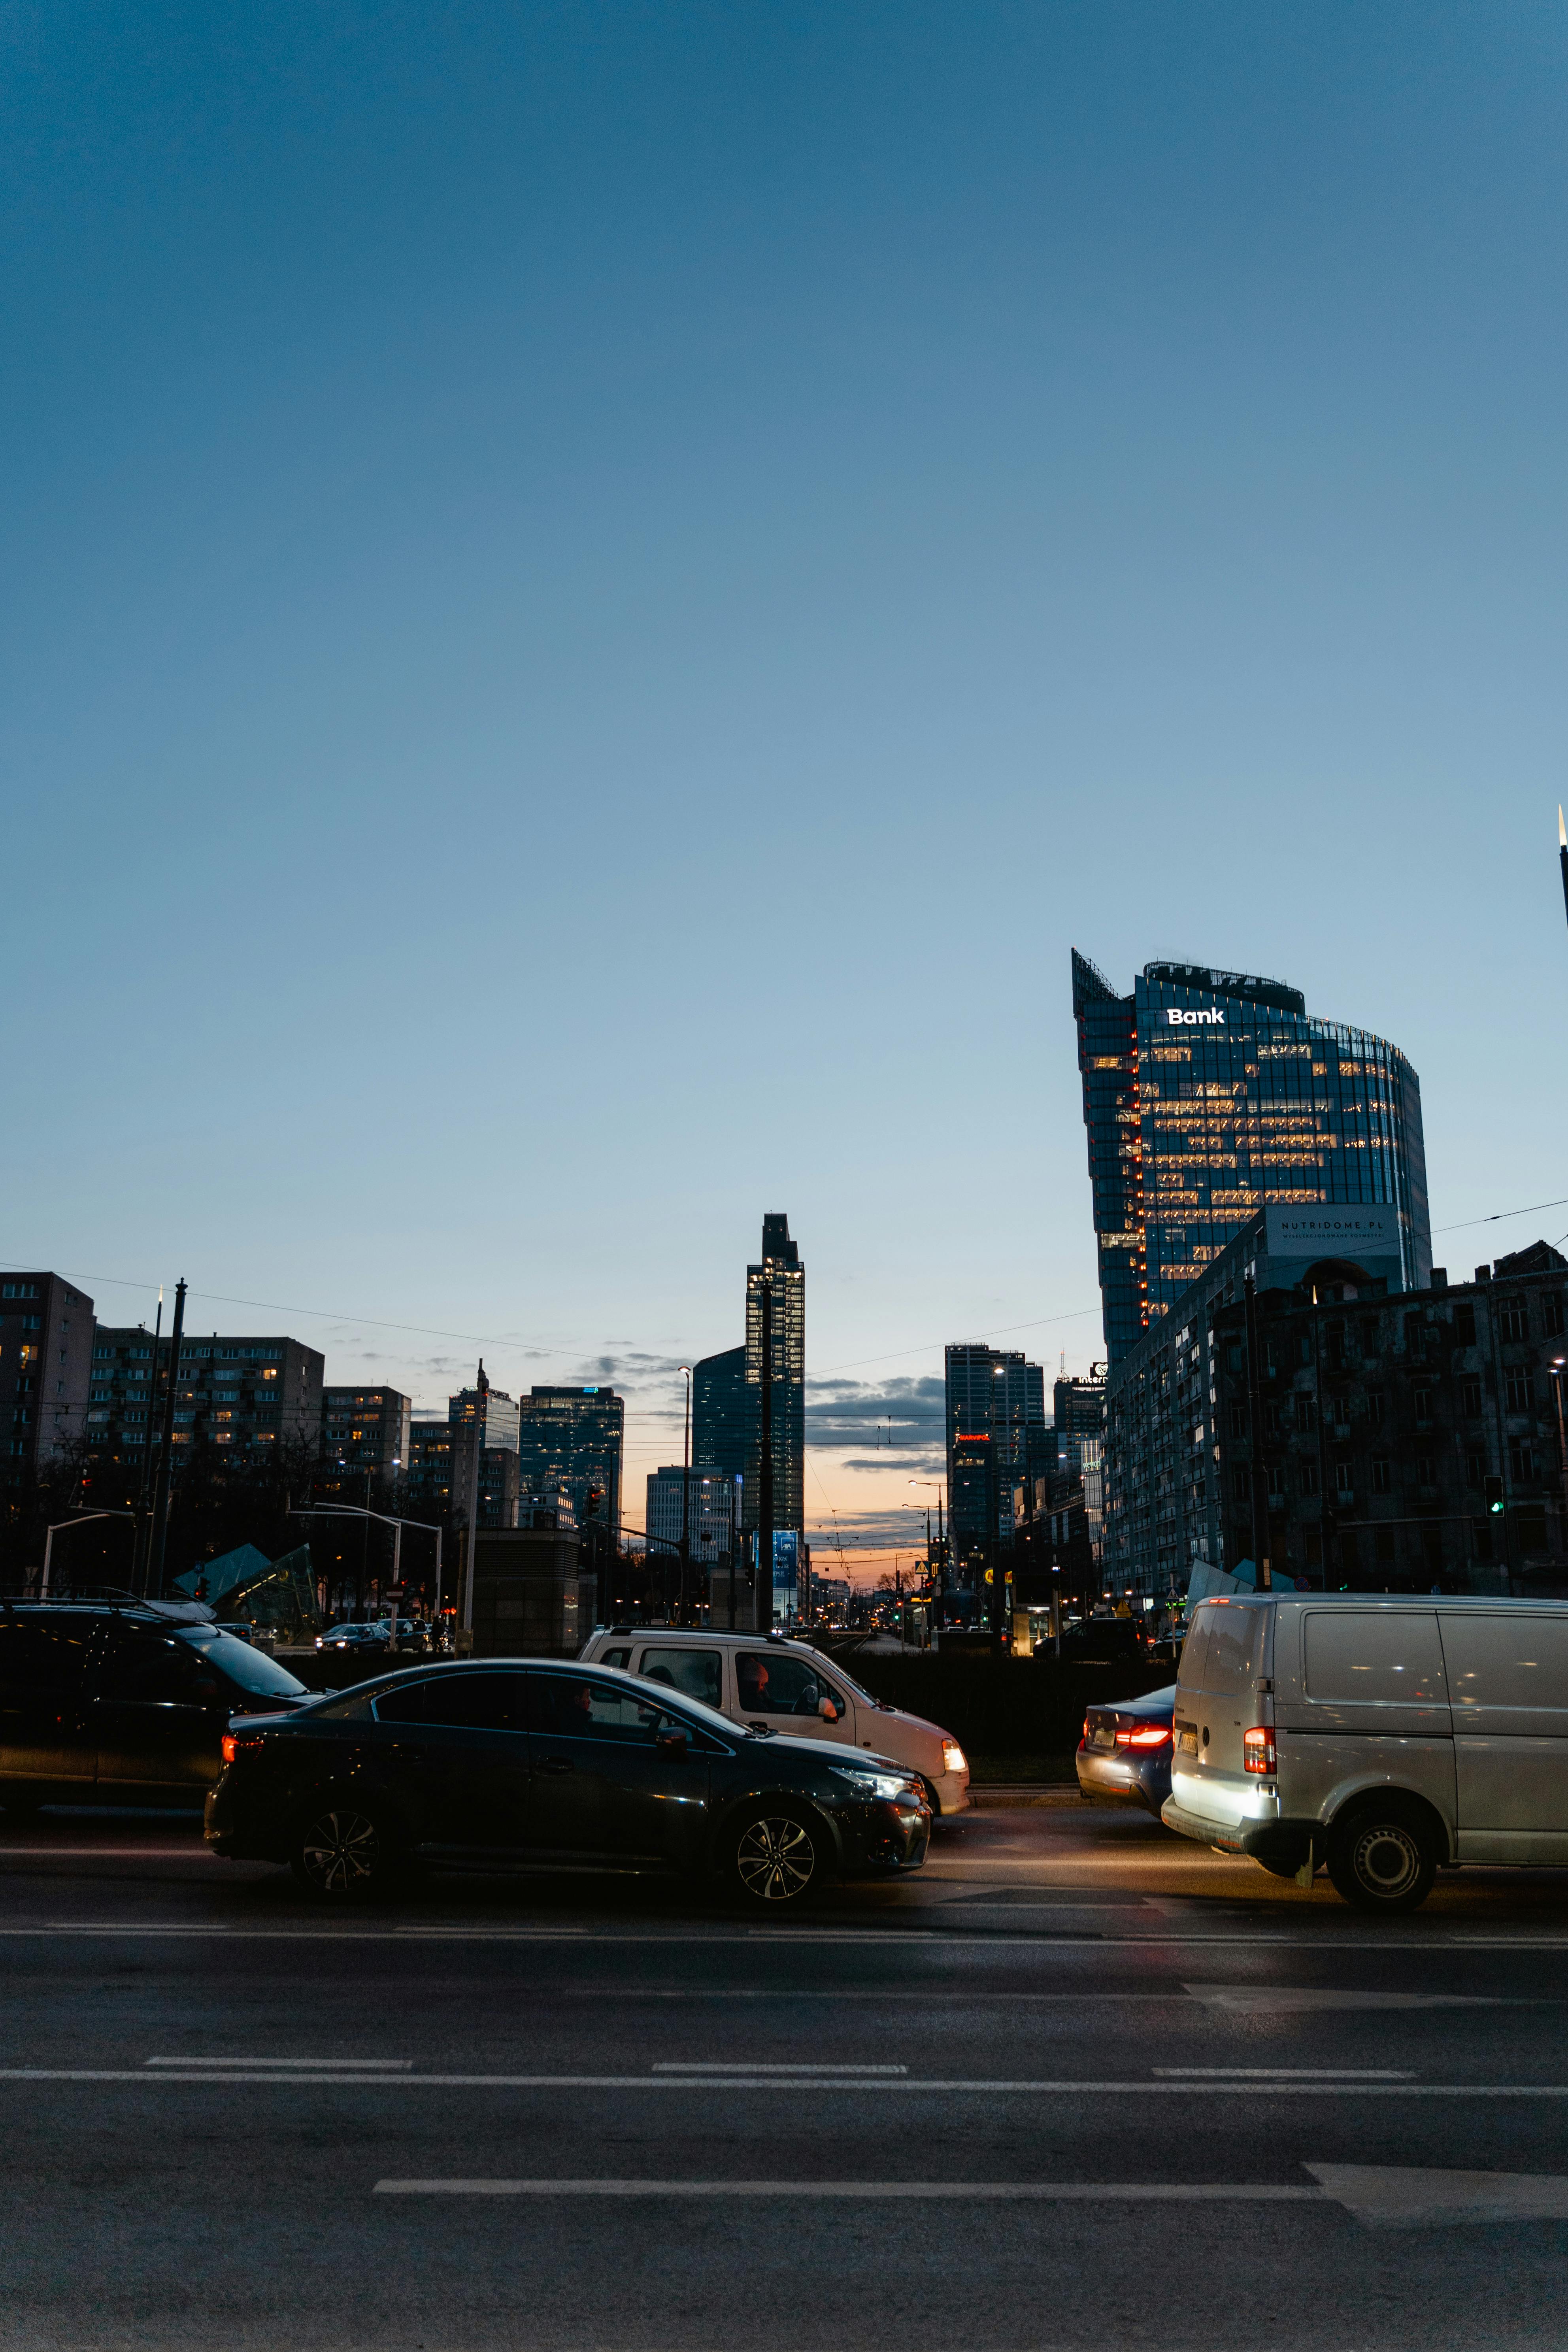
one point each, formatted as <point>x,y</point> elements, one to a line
<point>1380,1736</point>
<point>782,1684</point>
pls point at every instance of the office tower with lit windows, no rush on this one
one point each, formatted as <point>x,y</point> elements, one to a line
<point>574,1438</point>
<point>723,1411</point>
<point>1210,1095</point>
<point>1000,1396</point>
<point>781,1274</point>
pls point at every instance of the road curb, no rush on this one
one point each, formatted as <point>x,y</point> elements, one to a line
<point>997,1795</point>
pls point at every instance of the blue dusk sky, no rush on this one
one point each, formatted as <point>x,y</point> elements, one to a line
<point>593,596</point>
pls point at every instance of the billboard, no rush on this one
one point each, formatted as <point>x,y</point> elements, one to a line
<point>787,1574</point>
<point>1363,1232</point>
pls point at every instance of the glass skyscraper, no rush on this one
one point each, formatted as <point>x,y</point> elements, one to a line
<point>1209,1095</point>
<point>781,1274</point>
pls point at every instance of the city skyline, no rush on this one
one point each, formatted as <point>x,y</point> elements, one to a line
<point>856,482</point>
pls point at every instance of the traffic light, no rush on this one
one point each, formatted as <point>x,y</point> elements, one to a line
<point>1494,1495</point>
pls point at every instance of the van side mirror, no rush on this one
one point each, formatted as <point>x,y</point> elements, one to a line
<point>827,1710</point>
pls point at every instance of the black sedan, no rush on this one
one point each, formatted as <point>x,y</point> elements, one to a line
<point>1124,1755</point>
<point>520,1762</point>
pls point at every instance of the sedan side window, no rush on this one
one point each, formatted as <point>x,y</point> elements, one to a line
<point>573,1706</point>
<point>698,1672</point>
<point>475,1702</point>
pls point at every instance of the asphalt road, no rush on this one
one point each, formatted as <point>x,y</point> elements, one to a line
<point>1079,2085</point>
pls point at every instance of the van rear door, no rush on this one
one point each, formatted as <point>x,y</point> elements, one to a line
<point>1508,1682</point>
<point>1223,1660</point>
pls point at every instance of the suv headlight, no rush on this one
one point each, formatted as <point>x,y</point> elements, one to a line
<point>874,1784</point>
<point>953,1758</point>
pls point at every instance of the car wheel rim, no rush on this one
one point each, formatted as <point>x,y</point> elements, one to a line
<point>775,1860</point>
<point>340,1853</point>
<point>1387,1860</point>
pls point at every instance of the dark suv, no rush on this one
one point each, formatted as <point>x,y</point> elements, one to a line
<point>101,1705</point>
<point>522,1761</point>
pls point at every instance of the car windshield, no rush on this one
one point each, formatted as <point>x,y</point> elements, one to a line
<point>251,1669</point>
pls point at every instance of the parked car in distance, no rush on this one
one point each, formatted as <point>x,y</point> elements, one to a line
<point>1382,1736</point>
<point>105,1704</point>
<point>528,1762</point>
<point>1099,1641</point>
<point>782,1684</point>
<point>1124,1755</point>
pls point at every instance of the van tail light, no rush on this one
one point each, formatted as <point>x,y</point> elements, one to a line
<point>1258,1750</point>
<point>1145,1735</point>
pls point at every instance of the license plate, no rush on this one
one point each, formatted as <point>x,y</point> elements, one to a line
<point>1188,1743</point>
<point>1104,1735</point>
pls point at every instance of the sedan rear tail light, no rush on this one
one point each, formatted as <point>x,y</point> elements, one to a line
<point>1258,1753</point>
<point>1145,1735</point>
<point>235,1744</point>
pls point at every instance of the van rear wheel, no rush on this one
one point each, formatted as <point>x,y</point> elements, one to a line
<point>1383,1859</point>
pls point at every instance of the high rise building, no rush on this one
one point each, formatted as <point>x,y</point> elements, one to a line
<point>972,1508</point>
<point>710,1509</point>
<point>723,1411</point>
<point>46,1354</point>
<point>1210,1095</point>
<point>486,1420</point>
<point>999,1395</point>
<point>240,1392</point>
<point>782,1276</point>
<point>365,1429</point>
<point>574,1438</point>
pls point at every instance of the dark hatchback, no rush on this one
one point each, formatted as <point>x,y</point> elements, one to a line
<point>534,1764</point>
<point>1124,1755</point>
<point>129,1706</point>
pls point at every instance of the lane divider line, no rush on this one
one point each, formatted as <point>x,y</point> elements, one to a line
<point>1080,2192</point>
<point>1272,2087</point>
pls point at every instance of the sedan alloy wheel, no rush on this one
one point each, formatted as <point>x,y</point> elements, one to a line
<point>775,1858</point>
<point>340,1855</point>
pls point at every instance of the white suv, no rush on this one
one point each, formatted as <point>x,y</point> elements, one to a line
<point>785,1686</point>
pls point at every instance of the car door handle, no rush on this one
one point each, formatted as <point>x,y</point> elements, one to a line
<point>556,1764</point>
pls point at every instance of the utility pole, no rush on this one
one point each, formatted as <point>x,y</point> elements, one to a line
<point>1259,1476</point>
<point>1562,853</point>
<point>145,1500</point>
<point>763,1591</point>
<point>480,1417</point>
<point>158,1540</point>
<point>685,1505</point>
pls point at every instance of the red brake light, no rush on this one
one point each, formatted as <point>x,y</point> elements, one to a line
<point>1145,1735</point>
<point>1085,1726</point>
<point>1258,1753</point>
<point>234,1744</point>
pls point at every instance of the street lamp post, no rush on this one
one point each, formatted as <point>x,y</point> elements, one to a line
<point>50,1533</point>
<point>935,1566</point>
<point>685,1503</point>
<point>1559,1368</point>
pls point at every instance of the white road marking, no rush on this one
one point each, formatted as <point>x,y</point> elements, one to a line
<point>1442,1946</point>
<point>1290,2073</point>
<point>1274,2087</point>
<point>1413,2198</point>
<point>1376,2194</point>
<point>1053,2192</point>
<point>1260,1999</point>
<point>707,2067</point>
<point>311,2065</point>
